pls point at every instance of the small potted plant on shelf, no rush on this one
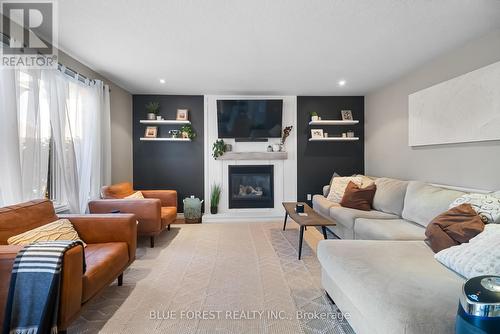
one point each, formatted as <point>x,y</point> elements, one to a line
<point>214,199</point>
<point>219,148</point>
<point>314,116</point>
<point>152,108</point>
<point>187,131</point>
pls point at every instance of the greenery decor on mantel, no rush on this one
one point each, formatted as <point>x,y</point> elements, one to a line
<point>219,148</point>
<point>187,131</point>
<point>152,109</point>
<point>215,198</point>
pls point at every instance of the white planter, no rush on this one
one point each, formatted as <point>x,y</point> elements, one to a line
<point>314,118</point>
<point>151,116</point>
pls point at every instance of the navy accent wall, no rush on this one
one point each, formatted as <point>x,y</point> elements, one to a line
<point>316,161</point>
<point>169,165</point>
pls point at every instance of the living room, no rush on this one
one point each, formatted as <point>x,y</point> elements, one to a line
<point>250,167</point>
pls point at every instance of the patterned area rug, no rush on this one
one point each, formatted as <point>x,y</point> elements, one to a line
<point>218,278</point>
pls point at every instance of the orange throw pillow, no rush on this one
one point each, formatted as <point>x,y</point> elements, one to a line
<point>453,227</point>
<point>358,198</point>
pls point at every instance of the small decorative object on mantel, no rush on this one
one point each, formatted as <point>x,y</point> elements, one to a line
<point>151,132</point>
<point>269,148</point>
<point>286,133</point>
<point>173,133</point>
<point>350,134</point>
<point>159,118</point>
<point>316,133</point>
<point>325,134</point>
<point>218,148</point>
<point>229,147</point>
<point>276,148</point>
<point>152,108</point>
<point>214,199</point>
<point>187,131</point>
<point>346,115</point>
<point>182,114</point>
<point>344,135</point>
<point>314,116</point>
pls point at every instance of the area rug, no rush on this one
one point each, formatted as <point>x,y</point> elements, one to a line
<point>218,278</point>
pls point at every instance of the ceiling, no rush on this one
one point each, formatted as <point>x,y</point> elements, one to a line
<point>295,47</point>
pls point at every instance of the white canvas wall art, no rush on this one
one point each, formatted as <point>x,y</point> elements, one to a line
<point>463,109</point>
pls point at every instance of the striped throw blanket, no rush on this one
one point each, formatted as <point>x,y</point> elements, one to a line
<point>32,303</point>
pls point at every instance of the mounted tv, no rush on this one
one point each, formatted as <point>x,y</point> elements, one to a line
<point>249,120</point>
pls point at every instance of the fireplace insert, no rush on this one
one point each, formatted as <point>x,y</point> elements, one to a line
<point>251,186</point>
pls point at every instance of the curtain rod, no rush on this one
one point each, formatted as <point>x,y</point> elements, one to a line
<point>60,67</point>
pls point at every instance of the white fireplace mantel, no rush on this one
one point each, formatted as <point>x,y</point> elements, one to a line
<point>250,153</point>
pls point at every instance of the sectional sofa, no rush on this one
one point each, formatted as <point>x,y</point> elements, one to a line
<point>381,272</point>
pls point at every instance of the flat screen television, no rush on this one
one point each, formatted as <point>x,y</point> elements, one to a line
<point>249,119</point>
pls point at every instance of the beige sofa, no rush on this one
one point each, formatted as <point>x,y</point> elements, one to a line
<point>387,279</point>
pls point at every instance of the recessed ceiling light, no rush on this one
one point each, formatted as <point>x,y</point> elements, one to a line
<point>342,82</point>
<point>162,81</point>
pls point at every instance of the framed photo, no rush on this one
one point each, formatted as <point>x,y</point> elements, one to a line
<point>346,115</point>
<point>316,133</point>
<point>151,132</point>
<point>182,115</point>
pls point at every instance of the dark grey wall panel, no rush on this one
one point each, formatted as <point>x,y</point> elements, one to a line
<point>169,165</point>
<point>316,161</point>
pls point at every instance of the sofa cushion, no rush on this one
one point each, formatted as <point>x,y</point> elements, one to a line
<point>105,261</point>
<point>347,216</point>
<point>396,286</point>
<point>387,229</point>
<point>390,195</point>
<point>358,198</point>
<point>322,205</point>
<point>423,202</point>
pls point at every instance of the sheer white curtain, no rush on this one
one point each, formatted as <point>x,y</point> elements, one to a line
<point>80,116</point>
<point>37,106</point>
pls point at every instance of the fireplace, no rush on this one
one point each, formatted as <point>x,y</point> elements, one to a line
<point>251,186</point>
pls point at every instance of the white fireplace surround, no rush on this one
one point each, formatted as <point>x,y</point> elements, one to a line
<point>285,165</point>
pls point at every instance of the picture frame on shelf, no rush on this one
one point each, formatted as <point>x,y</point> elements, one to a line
<point>316,133</point>
<point>182,114</point>
<point>346,115</point>
<point>151,132</point>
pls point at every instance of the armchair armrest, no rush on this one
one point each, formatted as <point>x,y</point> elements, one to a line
<point>71,284</point>
<point>147,211</point>
<point>107,228</point>
<point>167,197</point>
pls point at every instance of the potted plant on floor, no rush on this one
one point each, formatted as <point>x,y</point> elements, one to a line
<point>152,108</point>
<point>214,199</point>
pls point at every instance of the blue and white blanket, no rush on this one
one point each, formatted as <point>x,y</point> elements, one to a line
<point>33,300</point>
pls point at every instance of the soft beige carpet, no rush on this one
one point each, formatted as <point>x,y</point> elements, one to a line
<point>245,277</point>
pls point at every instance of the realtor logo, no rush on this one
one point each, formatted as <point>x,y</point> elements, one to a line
<point>28,32</point>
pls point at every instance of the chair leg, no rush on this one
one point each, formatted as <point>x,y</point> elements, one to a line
<point>120,280</point>
<point>324,232</point>
<point>168,227</point>
<point>152,241</point>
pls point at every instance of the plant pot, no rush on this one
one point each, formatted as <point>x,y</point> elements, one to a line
<point>314,118</point>
<point>213,210</point>
<point>151,116</point>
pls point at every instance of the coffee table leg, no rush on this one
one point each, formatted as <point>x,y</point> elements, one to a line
<point>301,238</point>
<point>284,224</point>
<point>324,232</point>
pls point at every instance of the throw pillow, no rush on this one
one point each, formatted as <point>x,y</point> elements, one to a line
<point>365,180</point>
<point>136,195</point>
<point>453,227</point>
<point>487,206</point>
<point>358,198</point>
<point>61,229</point>
<point>338,187</point>
<point>480,256</point>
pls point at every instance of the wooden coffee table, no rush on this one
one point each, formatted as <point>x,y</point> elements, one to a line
<point>312,219</point>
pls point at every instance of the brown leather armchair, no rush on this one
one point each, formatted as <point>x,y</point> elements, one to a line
<point>156,211</point>
<point>111,244</point>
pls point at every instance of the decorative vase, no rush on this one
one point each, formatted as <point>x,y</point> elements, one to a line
<point>158,118</point>
<point>151,116</point>
<point>213,210</point>
<point>276,147</point>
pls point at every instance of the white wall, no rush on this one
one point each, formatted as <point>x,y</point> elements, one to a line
<point>387,153</point>
<point>285,171</point>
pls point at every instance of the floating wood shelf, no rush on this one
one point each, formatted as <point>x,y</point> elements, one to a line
<point>333,122</point>
<point>254,156</point>
<point>335,139</point>
<point>164,139</point>
<point>163,121</point>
